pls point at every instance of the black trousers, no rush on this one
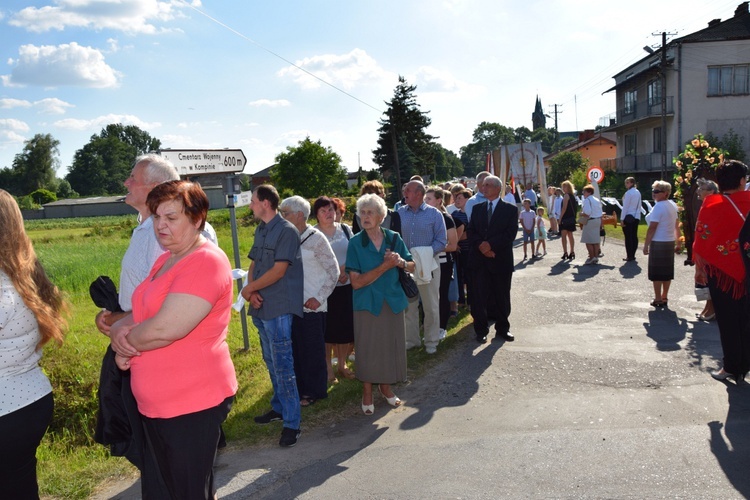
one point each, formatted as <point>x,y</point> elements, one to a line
<point>184,449</point>
<point>444,305</point>
<point>309,352</point>
<point>631,238</point>
<point>21,431</point>
<point>490,300</point>
<point>733,318</point>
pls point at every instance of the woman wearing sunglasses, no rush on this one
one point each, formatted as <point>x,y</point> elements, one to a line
<point>662,240</point>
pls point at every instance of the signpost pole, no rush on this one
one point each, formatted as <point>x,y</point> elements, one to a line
<point>230,190</point>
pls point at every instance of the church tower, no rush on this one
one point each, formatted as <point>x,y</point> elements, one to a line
<point>538,119</point>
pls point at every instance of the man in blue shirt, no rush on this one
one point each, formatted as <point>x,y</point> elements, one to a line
<point>479,196</point>
<point>274,291</point>
<point>423,228</point>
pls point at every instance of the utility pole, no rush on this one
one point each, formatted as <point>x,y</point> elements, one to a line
<point>663,77</point>
<point>556,112</point>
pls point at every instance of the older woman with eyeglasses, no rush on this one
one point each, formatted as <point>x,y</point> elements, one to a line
<point>321,273</point>
<point>379,302</point>
<point>662,241</point>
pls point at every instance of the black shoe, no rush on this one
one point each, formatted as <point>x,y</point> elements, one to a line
<point>564,257</point>
<point>289,437</point>
<point>508,337</point>
<point>482,339</point>
<point>267,418</point>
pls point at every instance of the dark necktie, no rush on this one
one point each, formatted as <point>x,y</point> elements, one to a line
<point>489,210</point>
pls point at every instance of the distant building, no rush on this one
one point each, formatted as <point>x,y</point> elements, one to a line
<point>261,177</point>
<point>595,146</point>
<point>538,118</point>
<point>707,89</point>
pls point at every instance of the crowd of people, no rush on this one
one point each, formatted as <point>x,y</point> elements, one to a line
<point>319,297</point>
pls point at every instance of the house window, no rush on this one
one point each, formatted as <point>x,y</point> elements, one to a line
<point>654,93</point>
<point>729,80</point>
<point>630,97</point>
<point>657,139</point>
<point>630,145</point>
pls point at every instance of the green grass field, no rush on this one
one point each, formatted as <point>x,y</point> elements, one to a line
<point>76,251</point>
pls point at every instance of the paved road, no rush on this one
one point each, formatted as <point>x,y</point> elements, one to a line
<point>601,396</point>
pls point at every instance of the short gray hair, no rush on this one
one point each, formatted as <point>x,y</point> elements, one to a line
<point>158,169</point>
<point>493,180</point>
<point>372,202</point>
<point>296,204</point>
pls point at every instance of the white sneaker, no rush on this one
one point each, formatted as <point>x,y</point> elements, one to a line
<point>334,361</point>
<point>351,357</point>
<point>430,349</point>
<point>443,333</point>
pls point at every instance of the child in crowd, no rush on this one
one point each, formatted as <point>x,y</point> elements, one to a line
<point>540,233</point>
<point>527,218</point>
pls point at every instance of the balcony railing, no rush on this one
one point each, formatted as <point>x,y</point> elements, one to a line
<point>650,162</point>
<point>638,111</point>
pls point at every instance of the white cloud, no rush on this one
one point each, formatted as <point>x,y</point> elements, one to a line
<point>345,70</point>
<point>52,106</point>
<point>14,103</point>
<point>276,103</point>
<point>104,120</point>
<point>13,125</point>
<point>130,16</point>
<point>10,137</point>
<point>67,64</point>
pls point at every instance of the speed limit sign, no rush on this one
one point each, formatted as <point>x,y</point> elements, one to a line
<point>595,174</point>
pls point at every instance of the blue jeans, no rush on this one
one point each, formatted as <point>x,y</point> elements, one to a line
<point>276,344</point>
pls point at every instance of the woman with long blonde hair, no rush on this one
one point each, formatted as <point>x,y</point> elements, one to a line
<point>31,314</point>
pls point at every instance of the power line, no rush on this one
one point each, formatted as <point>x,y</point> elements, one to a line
<point>260,46</point>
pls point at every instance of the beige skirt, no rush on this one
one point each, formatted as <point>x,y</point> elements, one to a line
<point>380,344</point>
<point>590,233</point>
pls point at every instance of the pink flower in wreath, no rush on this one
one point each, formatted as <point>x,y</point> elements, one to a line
<point>734,246</point>
<point>699,227</point>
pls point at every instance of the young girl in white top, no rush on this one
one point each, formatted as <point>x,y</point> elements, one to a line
<point>540,233</point>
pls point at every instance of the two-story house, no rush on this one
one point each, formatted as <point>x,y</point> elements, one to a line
<point>706,88</point>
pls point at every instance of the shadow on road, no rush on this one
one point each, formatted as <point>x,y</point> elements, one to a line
<point>629,270</point>
<point>732,448</point>
<point>666,329</point>
<point>457,381</point>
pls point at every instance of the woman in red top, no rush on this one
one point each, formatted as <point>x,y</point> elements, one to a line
<point>174,343</point>
<point>718,262</point>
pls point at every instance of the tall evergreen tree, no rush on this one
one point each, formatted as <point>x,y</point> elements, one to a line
<point>404,147</point>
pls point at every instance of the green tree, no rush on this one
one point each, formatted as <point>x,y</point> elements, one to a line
<point>447,164</point>
<point>731,142</point>
<point>486,138</point>
<point>522,134</point>
<point>309,170</point>
<point>102,165</point>
<point>42,196</point>
<point>562,166</point>
<point>547,136</point>
<point>404,147</point>
<point>34,168</point>
<point>64,190</point>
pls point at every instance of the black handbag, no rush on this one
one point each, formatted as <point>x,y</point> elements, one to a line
<point>407,282</point>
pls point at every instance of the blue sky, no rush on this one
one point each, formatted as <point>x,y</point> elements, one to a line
<point>219,73</point>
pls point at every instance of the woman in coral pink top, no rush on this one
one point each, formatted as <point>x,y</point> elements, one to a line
<point>174,343</point>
